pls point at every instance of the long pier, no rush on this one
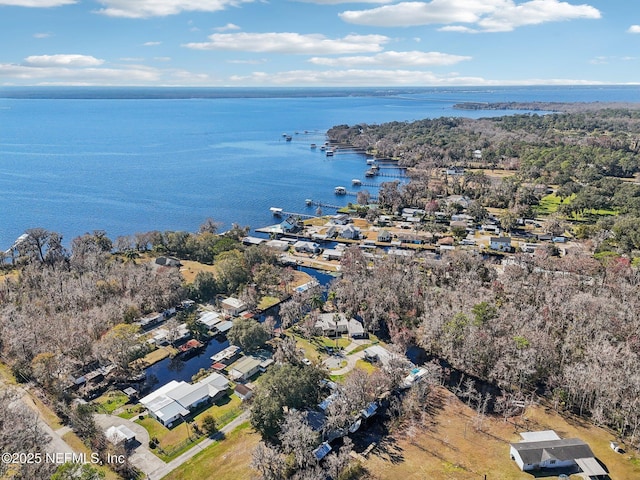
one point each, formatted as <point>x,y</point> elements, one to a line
<point>324,205</point>
<point>390,175</point>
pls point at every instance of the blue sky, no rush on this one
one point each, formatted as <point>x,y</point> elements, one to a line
<point>319,42</point>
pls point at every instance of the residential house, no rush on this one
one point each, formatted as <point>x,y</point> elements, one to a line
<point>175,400</point>
<point>332,324</point>
<point>545,449</point>
<point>243,392</point>
<point>280,245</point>
<point>350,232</point>
<point>340,219</point>
<point>165,261</point>
<point>233,306</point>
<point>384,236</point>
<point>306,247</point>
<point>120,435</point>
<point>501,244</point>
<point>332,254</point>
<point>245,368</point>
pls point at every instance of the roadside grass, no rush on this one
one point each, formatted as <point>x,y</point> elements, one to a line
<point>6,375</point>
<point>229,458</point>
<point>48,415</point>
<point>455,443</point>
<point>171,442</point>
<point>111,401</point>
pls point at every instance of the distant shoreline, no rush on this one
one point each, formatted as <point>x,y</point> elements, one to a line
<point>565,107</point>
<point>183,93</point>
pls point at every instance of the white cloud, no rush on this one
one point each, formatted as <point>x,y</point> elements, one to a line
<point>337,2</point>
<point>291,43</point>
<point>151,44</point>
<point>227,28</point>
<point>42,35</point>
<point>393,59</point>
<point>634,29</point>
<point>162,8</point>
<point>63,60</point>
<point>248,62</point>
<point>357,77</point>
<point>488,15</point>
<point>162,59</point>
<point>36,3</point>
<point>57,75</point>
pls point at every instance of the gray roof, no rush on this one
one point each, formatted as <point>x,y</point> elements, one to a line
<point>561,450</point>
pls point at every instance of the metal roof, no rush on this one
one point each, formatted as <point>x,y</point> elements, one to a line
<point>561,450</point>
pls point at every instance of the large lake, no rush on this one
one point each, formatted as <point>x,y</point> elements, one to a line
<point>74,160</point>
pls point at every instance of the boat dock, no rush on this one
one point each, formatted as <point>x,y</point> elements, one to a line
<point>323,205</point>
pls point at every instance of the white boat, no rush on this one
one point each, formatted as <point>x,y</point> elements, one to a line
<point>371,161</point>
<point>277,212</point>
<point>340,191</point>
<point>356,182</point>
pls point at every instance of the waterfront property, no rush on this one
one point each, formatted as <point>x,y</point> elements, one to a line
<point>175,400</point>
<point>233,306</point>
<point>332,324</point>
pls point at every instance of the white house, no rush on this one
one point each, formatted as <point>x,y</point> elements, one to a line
<point>306,247</point>
<point>233,306</point>
<point>120,434</point>
<point>545,449</point>
<point>175,400</point>
<point>350,232</point>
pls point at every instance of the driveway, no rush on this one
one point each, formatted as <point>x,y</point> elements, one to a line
<point>141,457</point>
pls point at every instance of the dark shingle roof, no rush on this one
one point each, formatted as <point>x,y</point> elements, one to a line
<point>561,450</point>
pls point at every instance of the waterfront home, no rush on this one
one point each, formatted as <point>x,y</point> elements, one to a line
<point>350,232</point>
<point>209,319</point>
<point>306,247</point>
<point>332,254</point>
<point>175,400</point>
<point>332,324</point>
<point>545,449</point>
<point>340,219</point>
<point>384,236</point>
<point>280,245</point>
<point>233,306</point>
<point>245,368</point>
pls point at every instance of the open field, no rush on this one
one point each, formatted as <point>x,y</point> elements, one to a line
<point>190,269</point>
<point>230,458</point>
<point>454,444</point>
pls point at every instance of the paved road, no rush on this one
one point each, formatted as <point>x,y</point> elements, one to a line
<point>56,443</point>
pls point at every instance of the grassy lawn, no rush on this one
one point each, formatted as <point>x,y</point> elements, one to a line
<point>266,302</point>
<point>190,269</point>
<point>366,366</point>
<point>454,444</point>
<point>230,458</point>
<point>155,356</point>
<point>223,412</point>
<point>172,442</point>
<point>132,411</point>
<point>550,203</point>
<point>110,401</point>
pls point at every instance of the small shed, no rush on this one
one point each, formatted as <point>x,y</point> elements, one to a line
<point>243,392</point>
<point>120,435</point>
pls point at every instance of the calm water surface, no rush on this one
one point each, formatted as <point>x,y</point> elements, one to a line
<point>126,165</point>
